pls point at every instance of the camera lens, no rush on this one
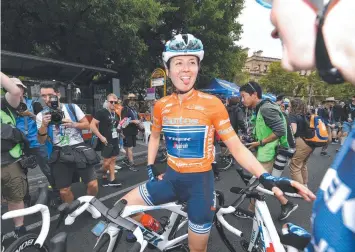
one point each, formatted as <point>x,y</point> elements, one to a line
<point>22,107</point>
<point>56,117</point>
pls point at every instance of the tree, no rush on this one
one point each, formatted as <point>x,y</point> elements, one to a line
<point>125,35</point>
<point>279,81</point>
<point>311,87</point>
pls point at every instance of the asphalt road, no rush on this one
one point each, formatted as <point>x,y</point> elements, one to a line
<point>81,239</point>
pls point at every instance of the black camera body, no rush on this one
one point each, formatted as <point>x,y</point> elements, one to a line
<point>22,107</point>
<point>56,113</point>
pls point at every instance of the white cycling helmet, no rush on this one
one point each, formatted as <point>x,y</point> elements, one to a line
<point>183,44</point>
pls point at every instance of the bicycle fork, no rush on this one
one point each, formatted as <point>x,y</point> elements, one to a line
<point>112,233</point>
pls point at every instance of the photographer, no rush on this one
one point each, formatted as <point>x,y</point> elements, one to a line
<point>26,122</point>
<point>13,178</point>
<point>59,126</point>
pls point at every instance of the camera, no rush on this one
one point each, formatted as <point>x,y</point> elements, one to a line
<point>22,107</point>
<point>56,114</point>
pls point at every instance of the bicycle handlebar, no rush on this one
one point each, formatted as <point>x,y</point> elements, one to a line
<point>221,219</point>
<point>97,208</point>
<point>247,178</point>
<point>32,210</point>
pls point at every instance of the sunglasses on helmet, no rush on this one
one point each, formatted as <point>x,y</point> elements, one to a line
<point>180,45</point>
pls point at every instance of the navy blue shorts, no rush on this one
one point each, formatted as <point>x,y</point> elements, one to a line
<point>196,189</point>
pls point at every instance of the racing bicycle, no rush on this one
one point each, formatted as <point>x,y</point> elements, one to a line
<point>109,230</point>
<point>32,241</point>
<point>264,236</point>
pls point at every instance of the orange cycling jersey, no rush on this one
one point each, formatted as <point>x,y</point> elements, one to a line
<point>189,127</point>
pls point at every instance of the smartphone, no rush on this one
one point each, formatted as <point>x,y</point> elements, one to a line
<point>99,228</point>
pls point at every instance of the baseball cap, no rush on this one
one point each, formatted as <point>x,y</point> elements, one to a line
<point>18,82</point>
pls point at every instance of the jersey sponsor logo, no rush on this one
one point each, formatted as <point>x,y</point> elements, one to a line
<point>179,146</point>
<point>225,131</point>
<point>197,226</point>
<point>196,107</point>
<point>186,139</point>
<point>224,122</point>
<point>179,121</point>
<point>182,164</point>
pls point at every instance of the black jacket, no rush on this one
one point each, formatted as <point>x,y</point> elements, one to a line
<point>236,116</point>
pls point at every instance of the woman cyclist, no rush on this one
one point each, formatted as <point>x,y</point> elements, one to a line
<point>188,119</point>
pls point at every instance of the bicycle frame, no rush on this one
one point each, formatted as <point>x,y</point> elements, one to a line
<point>263,227</point>
<point>32,210</point>
<point>162,241</point>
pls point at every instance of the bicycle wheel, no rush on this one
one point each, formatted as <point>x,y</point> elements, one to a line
<point>225,162</point>
<point>26,243</point>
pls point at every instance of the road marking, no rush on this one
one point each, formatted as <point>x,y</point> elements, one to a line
<point>55,217</point>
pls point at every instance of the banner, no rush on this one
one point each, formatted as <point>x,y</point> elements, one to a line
<point>158,79</point>
<point>158,82</point>
<point>150,94</point>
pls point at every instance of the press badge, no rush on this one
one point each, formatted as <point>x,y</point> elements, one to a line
<point>114,134</point>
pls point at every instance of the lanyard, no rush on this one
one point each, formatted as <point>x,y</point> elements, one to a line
<point>113,118</point>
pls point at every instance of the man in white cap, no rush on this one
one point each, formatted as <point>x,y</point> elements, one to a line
<point>26,122</point>
<point>13,182</point>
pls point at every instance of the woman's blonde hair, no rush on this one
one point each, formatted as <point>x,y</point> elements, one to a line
<point>112,95</point>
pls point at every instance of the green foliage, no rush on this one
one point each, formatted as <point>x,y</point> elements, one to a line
<point>125,35</point>
<point>279,81</point>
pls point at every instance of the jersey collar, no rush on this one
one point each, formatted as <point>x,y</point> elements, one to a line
<point>191,95</point>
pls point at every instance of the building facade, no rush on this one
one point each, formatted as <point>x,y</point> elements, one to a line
<point>257,65</point>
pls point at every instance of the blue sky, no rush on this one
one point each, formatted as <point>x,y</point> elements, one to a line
<point>257,28</point>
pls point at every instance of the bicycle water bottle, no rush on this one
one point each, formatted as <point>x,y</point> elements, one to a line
<point>151,223</point>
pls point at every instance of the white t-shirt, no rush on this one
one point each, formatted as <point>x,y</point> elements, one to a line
<point>63,136</point>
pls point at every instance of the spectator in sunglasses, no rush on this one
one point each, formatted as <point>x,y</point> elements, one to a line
<point>104,126</point>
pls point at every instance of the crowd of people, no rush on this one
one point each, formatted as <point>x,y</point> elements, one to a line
<point>51,137</point>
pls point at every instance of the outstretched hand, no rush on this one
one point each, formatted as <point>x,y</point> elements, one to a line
<point>281,185</point>
<point>306,194</point>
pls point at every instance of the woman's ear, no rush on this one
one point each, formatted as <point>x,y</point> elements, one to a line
<point>167,72</point>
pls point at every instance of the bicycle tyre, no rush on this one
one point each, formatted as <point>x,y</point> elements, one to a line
<point>225,163</point>
<point>26,243</point>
